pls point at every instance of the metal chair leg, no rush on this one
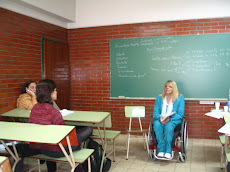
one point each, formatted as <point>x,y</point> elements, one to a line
<point>127,156</point>
<point>146,142</point>
<point>222,157</point>
<point>113,150</point>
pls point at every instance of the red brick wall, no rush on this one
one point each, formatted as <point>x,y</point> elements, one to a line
<point>90,71</point>
<point>20,53</point>
<point>20,60</point>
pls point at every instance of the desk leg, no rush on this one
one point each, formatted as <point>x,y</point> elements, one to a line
<point>14,155</point>
<point>66,155</point>
<point>70,149</point>
<point>103,157</point>
<point>89,165</point>
<point>72,163</point>
<point>104,144</point>
<point>104,130</point>
<point>99,131</point>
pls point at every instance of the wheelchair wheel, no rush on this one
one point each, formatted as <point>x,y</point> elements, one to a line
<point>184,137</point>
<point>179,159</point>
<point>151,155</point>
<point>150,139</point>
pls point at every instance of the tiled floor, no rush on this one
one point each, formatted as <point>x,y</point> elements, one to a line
<point>203,155</point>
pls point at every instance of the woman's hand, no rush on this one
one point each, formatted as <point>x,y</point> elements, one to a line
<point>28,91</point>
<point>165,121</point>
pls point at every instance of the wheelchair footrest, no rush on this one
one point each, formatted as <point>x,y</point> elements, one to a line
<point>163,158</point>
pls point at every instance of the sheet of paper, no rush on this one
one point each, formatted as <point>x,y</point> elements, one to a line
<point>164,117</point>
<point>215,114</point>
<point>225,129</point>
<point>65,112</point>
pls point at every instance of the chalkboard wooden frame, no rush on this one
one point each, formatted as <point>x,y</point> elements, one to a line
<point>199,64</point>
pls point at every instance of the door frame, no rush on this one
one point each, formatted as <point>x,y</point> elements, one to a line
<point>42,56</point>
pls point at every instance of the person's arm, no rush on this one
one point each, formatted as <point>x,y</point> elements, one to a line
<point>57,117</point>
<point>157,108</point>
<point>33,97</point>
<point>179,115</point>
<point>25,101</point>
<point>165,121</point>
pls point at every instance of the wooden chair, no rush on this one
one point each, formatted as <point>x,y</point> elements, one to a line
<point>135,112</point>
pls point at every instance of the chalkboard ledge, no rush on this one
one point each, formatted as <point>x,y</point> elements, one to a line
<point>207,99</point>
<point>153,98</point>
<point>133,98</point>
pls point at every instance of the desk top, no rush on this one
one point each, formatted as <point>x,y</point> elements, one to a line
<point>18,113</point>
<point>35,133</point>
<point>2,158</point>
<point>86,116</point>
<point>227,119</point>
<point>77,116</point>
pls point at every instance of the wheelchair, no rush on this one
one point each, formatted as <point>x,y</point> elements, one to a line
<point>179,142</point>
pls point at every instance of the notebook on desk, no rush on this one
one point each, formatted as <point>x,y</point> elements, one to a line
<point>65,112</point>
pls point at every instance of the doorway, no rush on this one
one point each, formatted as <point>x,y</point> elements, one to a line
<point>55,66</point>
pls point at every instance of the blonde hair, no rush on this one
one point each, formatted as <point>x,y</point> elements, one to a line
<point>175,92</point>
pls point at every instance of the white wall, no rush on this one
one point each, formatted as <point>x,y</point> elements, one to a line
<point>57,12</point>
<point>91,13</point>
<point>63,8</point>
<point>113,12</point>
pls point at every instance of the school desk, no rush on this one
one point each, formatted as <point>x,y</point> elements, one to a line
<point>90,118</point>
<point>223,138</point>
<point>35,133</point>
<point>226,152</point>
<point>227,119</point>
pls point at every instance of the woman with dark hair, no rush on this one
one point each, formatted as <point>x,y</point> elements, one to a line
<point>27,99</point>
<point>45,113</point>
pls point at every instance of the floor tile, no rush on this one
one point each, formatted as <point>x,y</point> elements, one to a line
<point>203,155</point>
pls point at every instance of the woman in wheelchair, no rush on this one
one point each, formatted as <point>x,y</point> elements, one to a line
<point>168,113</point>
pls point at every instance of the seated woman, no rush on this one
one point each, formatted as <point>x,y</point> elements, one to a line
<point>27,99</point>
<point>45,113</point>
<point>168,113</point>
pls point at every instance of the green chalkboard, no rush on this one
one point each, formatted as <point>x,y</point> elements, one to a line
<point>200,64</point>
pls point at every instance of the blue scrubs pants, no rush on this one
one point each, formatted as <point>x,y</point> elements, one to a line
<point>164,135</point>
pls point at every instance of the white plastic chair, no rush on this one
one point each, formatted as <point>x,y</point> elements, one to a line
<point>135,112</point>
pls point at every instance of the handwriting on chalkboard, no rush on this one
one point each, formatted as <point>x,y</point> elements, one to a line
<point>195,61</point>
<point>192,61</point>
<point>122,67</point>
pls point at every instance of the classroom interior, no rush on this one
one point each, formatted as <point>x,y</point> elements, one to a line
<point>203,156</point>
<point>85,71</point>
